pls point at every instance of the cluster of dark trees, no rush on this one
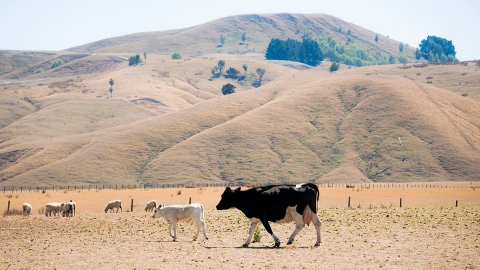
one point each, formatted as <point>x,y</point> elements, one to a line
<point>307,51</point>
<point>134,60</point>
<point>436,49</point>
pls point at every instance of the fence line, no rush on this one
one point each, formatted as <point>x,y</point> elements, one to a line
<point>21,189</point>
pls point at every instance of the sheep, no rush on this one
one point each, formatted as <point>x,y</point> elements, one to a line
<point>27,208</point>
<point>151,205</point>
<point>114,204</point>
<point>53,207</point>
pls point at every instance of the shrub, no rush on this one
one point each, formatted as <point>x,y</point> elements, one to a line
<point>39,70</point>
<point>257,235</point>
<point>57,63</point>
<point>334,67</point>
<point>176,56</point>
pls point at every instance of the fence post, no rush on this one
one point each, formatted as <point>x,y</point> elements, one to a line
<point>348,201</point>
<point>131,206</point>
<point>190,200</point>
<point>456,203</point>
<point>8,208</point>
<point>400,202</point>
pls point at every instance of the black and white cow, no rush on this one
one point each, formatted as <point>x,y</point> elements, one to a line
<point>276,203</point>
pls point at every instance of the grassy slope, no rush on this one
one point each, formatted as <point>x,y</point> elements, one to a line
<point>260,29</point>
<point>308,125</point>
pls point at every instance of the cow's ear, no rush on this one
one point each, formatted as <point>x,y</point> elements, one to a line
<point>228,190</point>
<point>238,189</point>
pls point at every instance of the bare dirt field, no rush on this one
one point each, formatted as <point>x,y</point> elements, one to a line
<point>427,232</point>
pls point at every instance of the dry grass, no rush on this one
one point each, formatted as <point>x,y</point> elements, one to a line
<point>433,236</point>
<point>300,126</point>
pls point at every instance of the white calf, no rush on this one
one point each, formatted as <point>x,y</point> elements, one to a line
<point>114,204</point>
<point>27,208</point>
<point>55,208</point>
<point>177,213</point>
<point>151,205</point>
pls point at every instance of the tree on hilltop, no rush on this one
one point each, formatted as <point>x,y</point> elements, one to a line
<point>433,47</point>
<point>176,56</point>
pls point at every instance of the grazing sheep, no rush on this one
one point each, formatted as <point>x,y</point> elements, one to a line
<point>27,208</point>
<point>151,205</point>
<point>55,208</point>
<point>114,204</point>
<point>69,209</point>
<point>177,213</point>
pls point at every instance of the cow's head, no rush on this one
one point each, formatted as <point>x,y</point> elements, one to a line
<point>228,199</point>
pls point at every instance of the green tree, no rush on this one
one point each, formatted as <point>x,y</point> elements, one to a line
<point>376,38</point>
<point>134,60</point>
<point>111,82</point>
<point>232,72</point>
<point>349,32</point>
<point>245,67</point>
<point>418,54</point>
<point>176,56</point>
<point>340,30</point>
<point>221,66</point>
<point>401,47</point>
<point>402,59</point>
<point>334,67</point>
<point>39,70</point>
<point>57,63</point>
<point>222,39</point>
<point>145,57</point>
<point>392,59</point>
<point>228,89</point>
<point>436,46</point>
<point>260,72</point>
<point>244,37</point>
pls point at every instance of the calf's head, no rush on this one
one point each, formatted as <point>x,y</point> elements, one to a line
<point>158,211</point>
<point>228,199</point>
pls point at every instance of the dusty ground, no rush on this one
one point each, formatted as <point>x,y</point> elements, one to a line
<point>428,232</point>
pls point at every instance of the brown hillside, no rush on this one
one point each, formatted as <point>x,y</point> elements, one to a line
<point>167,122</point>
<point>204,39</point>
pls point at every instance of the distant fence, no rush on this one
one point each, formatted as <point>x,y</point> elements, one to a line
<point>22,189</point>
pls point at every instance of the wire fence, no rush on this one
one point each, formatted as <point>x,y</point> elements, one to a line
<point>21,189</point>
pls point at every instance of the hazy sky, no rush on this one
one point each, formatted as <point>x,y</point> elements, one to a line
<point>61,24</point>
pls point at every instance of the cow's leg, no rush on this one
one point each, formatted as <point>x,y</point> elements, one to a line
<point>253,226</point>
<point>299,224</point>
<point>318,224</point>
<point>269,230</point>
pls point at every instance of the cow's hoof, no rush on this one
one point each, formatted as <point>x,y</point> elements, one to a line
<point>317,244</point>
<point>277,244</point>
<point>289,242</point>
<point>194,239</point>
<point>244,245</point>
<point>206,238</point>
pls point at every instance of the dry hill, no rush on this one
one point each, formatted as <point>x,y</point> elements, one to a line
<point>166,121</point>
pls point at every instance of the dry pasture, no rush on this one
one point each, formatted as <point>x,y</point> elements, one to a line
<point>428,232</point>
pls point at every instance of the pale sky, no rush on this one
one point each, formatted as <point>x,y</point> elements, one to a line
<point>42,25</point>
